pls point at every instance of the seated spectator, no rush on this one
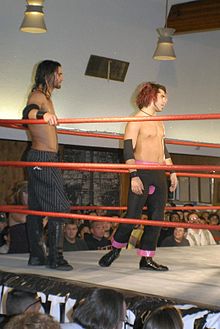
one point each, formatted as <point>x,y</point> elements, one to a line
<point>17,222</point>
<point>166,231</point>
<point>20,301</point>
<point>5,236</point>
<point>205,214</point>
<point>177,239</point>
<point>213,219</point>
<point>96,240</point>
<point>101,309</point>
<point>82,229</point>
<point>4,241</point>
<point>32,320</point>
<point>108,230</point>
<point>198,237</point>
<point>71,242</point>
<point>165,317</point>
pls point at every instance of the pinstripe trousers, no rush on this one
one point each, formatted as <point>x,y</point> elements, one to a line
<point>45,193</point>
<point>45,184</point>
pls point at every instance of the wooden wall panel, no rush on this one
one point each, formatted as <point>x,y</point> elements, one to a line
<point>9,176</point>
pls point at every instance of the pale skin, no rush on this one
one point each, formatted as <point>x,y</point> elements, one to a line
<point>148,141</point>
<point>44,137</point>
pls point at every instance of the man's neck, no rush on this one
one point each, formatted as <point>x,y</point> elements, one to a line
<point>148,111</point>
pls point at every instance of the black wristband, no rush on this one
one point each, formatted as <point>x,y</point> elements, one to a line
<point>172,172</point>
<point>134,174</point>
<point>40,114</point>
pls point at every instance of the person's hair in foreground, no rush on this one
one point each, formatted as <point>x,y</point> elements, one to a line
<point>165,317</point>
<point>102,309</point>
<point>19,301</point>
<point>32,321</point>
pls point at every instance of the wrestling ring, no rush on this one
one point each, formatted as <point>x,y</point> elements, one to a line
<point>194,275</point>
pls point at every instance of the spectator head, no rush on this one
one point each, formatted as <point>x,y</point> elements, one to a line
<point>19,195</point>
<point>70,231</point>
<point>97,229</point>
<point>185,215</point>
<point>213,219</point>
<point>3,221</point>
<point>175,217</point>
<point>101,309</point>
<point>205,214</point>
<point>165,317</point>
<point>193,217</point>
<point>179,233</point>
<point>108,229</point>
<point>32,320</point>
<point>82,229</point>
<point>20,301</point>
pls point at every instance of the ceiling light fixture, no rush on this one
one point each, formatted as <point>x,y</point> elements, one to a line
<point>33,21</point>
<point>164,50</point>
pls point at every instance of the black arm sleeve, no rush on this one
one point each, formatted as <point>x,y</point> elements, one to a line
<point>128,149</point>
<point>28,108</point>
<point>166,153</point>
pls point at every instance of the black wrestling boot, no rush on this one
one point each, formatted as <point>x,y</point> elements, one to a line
<point>147,264</point>
<point>36,242</point>
<point>109,258</point>
<point>55,238</point>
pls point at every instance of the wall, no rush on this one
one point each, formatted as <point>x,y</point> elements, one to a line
<point>121,29</point>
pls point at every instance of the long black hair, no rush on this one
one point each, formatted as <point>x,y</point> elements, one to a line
<point>102,309</point>
<point>44,76</point>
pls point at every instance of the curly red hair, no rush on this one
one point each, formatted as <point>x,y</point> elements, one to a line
<point>147,93</point>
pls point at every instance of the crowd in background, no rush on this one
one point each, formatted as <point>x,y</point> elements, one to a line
<point>96,235</point>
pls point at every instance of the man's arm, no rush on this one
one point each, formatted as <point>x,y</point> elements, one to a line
<point>173,177</point>
<point>35,110</point>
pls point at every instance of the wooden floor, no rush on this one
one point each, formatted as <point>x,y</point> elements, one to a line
<point>194,274</point>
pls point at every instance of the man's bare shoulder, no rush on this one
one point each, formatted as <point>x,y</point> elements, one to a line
<point>36,97</point>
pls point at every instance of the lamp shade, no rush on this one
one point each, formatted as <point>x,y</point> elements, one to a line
<point>164,50</point>
<point>33,21</point>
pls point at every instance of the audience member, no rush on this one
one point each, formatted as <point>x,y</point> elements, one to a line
<point>198,237</point>
<point>165,317</point>
<point>205,214</point>
<point>96,240</point>
<point>166,231</point>
<point>213,219</point>
<point>6,238</point>
<point>20,301</point>
<point>108,230</point>
<point>82,229</point>
<point>177,239</point>
<point>4,241</point>
<point>71,241</point>
<point>17,222</point>
<point>32,320</point>
<point>101,309</point>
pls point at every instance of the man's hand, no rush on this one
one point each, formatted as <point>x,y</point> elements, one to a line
<point>174,182</point>
<point>51,119</point>
<point>137,186</point>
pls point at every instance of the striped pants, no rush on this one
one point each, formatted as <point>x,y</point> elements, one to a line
<point>45,193</point>
<point>45,184</point>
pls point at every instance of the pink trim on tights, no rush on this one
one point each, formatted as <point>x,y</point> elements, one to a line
<point>118,245</point>
<point>146,253</point>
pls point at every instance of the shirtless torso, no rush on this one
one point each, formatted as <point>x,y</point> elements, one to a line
<point>44,137</point>
<point>148,139</point>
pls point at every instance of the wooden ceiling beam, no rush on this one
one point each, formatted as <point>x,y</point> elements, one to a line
<point>195,16</point>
